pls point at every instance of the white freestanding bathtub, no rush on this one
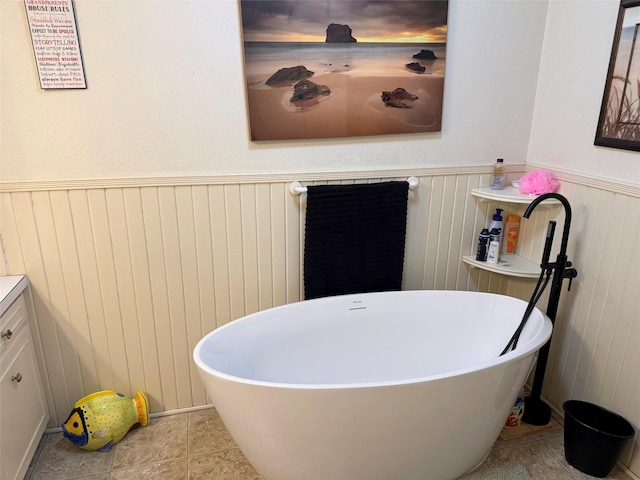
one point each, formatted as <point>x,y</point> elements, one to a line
<point>391,386</point>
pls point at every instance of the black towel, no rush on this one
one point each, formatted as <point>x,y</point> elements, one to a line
<point>354,238</point>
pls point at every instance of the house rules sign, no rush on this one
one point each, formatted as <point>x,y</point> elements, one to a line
<point>52,24</point>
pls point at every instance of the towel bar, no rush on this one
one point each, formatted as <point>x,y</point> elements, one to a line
<point>297,188</point>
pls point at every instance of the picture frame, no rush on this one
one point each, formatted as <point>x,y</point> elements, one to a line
<point>348,68</point>
<point>619,120</point>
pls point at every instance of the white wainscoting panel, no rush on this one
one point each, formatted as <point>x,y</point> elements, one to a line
<point>126,279</point>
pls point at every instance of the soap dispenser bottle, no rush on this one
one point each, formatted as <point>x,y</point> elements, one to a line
<point>497,221</point>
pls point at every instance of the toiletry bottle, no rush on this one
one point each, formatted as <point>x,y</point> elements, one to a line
<point>499,172</point>
<point>483,245</point>
<point>497,223</point>
<point>494,248</point>
<point>517,411</point>
<point>510,237</point>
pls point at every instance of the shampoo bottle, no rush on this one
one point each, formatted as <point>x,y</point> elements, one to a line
<point>510,236</point>
<point>499,172</point>
<point>483,245</point>
<point>494,248</point>
<point>497,223</point>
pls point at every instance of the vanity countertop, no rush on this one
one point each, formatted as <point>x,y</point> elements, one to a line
<point>10,288</point>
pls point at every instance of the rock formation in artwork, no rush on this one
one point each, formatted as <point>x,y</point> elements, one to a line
<point>398,98</point>
<point>337,33</point>
<point>426,55</point>
<point>306,90</point>
<point>289,75</point>
<point>415,67</point>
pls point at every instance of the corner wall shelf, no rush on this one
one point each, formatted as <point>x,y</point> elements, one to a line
<point>512,265</point>
<point>510,194</point>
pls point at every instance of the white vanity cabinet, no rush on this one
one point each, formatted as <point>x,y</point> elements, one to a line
<point>23,408</point>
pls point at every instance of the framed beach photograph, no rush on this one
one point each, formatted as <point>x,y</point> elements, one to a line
<point>342,68</point>
<point>619,122</point>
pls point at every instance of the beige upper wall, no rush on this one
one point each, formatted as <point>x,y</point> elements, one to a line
<point>573,69</point>
<point>166,97</point>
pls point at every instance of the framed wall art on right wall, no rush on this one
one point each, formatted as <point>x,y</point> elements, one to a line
<point>619,122</point>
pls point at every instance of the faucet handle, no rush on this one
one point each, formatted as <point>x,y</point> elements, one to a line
<point>570,273</point>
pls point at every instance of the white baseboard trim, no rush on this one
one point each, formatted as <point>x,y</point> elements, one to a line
<point>164,413</point>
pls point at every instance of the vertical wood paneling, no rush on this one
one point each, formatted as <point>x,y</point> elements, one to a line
<point>627,386</point>
<point>277,216</point>
<point>618,317</point>
<point>594,352</point>
<point>87,255</point>
<point>32,255</point>
<point>458,273</point>
<point>563,339</point>
<point>204,247</point>
<point>125,290</point>
<point>294,230</point>
<point>63,276</point>
<point>77,320</point>
<point>436,193</point>
<point>416,234</point>
<point>220,255</point>
<point>127,280</point>
<point>141,279</point>
<point>189,260</point>
<point>477,217</point>
<point>232,215</point>
<point>454,242</point>
<point>443,231</point>
<point>264,245</point>
<point>249,249</point>
<point>592,295</point>
<point>167,397</point>
<point>205,320</point>
<point>86,281</point>
<point>12,252</point>
<point>111,321</point>
<point>607,300</point>
<point>176,333</point>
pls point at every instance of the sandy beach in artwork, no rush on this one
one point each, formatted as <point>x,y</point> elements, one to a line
<point>361,68</point>
<point>354,108</point>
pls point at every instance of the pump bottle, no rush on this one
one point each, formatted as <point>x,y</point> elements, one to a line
<point>497,223</point>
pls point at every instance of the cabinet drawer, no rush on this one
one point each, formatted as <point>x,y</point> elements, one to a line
<point>11,322</point>
<point>24,414</point>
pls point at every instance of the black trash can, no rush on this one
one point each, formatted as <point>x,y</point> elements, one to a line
<point>594,437</point>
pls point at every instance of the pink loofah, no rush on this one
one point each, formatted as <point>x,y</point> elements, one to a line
<point>538,182</point>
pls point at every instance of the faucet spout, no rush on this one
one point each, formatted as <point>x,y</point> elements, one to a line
<point>536,411</point>
<point>567,216</point>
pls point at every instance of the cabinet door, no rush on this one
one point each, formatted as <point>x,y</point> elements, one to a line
<point>23,411</point>
<point>10,324</point>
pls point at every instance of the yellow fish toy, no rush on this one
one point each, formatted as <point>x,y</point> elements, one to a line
<point>101,419</point>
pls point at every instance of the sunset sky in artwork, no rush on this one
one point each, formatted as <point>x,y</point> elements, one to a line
<point>414,21</point>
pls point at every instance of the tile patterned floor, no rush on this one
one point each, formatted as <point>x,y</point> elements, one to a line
<point>197,446</point>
